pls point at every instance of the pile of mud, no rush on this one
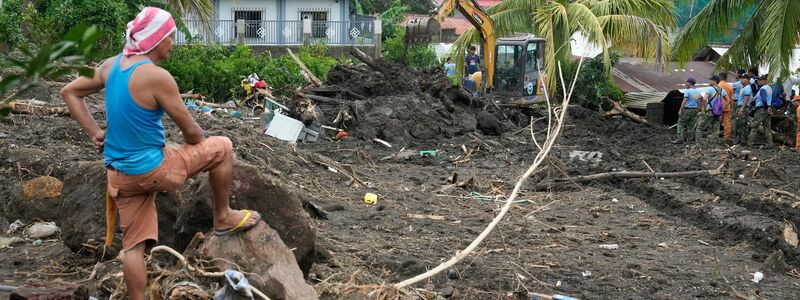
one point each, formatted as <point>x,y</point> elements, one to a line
<point>398,104</point>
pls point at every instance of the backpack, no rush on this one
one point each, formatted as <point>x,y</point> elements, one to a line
<point>754,91</point>
<point>716,104</point>
<point>777,99</point>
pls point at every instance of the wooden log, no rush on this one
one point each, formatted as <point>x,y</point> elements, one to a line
<point>626,175</point>
<point>313,79</point>
<point>325,99</point>
<point>367,60</point>
<point>30,109</point>
<point>336,89</point>
<point>617,109</point>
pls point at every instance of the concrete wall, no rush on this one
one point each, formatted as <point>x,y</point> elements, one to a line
<point>337,10</point>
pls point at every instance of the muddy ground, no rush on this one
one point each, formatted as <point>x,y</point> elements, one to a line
<point>679,238</point>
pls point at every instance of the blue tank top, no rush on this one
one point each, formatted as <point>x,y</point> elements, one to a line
<point>135,135</point>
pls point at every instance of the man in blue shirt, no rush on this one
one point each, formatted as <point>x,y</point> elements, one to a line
<point>706,120</point>
<point>472,61</point>
<point>688,113</point>
<point>763,111</point>
<point>742,95</point>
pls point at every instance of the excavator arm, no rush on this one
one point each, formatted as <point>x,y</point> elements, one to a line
<point>422,29</point>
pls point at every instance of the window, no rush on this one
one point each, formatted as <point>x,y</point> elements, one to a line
<point>533,56</point>
<point>319,20</point>
<point>251,18</point>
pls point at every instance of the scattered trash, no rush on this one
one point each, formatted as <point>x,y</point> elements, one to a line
<point>37,243</point>
<point>757,277</point>
<point>790,233</point>
<point>236,287</point>
<point>382,142</point>
<point>586,273</point>
<point>9,241</point>
<point>285,128</point>
<point>206,109</point>
<point>236,114</point>
<point>308,135</point>
<point>537,296</point>
<point>741,176</point>
<point>615,200</point>
<point>663,245</point>
<point>15,226</point>
<point>341,135</point>
<point>432,217</point>
<point>402,155</point>
<point>429,153</point>
<point>41,230</point>
<point>609,246</point>
<point>42,187</point>
<point>592,156</point>
<point>558,283</point>
<point>370,198</point>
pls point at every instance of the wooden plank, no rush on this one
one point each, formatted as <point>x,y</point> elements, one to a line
<point>432,217</point>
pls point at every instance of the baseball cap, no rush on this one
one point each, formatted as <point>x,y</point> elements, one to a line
<point>714,78</point>
<point>691,80</point>
<point>762,77</point>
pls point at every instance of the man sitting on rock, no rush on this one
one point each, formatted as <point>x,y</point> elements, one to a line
<point>138,93</point>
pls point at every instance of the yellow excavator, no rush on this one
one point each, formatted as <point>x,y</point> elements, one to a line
<point>512,63</point>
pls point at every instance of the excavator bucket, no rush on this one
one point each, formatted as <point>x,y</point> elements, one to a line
<point>421,30</point>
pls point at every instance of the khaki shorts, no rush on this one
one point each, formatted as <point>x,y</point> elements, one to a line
<point>135,195</point>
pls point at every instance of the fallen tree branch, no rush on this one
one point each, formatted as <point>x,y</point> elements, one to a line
<point>785,193</point>
<point>38,110</point>
<point>617,109</point>
<point>625,175</point>
<point>324,99</point>
<point>367,60</point>
<point>548,144</point>
<point>308,75</point>
<point>191,268</point>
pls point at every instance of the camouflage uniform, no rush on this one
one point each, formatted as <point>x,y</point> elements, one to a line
<point>741,127</point>
<point>763,120</point>
<point>707,122</point>
<point>686,124</point>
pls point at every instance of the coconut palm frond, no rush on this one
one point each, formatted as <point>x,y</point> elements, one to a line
<point>510,21</point>
<point>714,20</point>
<point>660,12</point>
<point>781,29</point>
<point>637,36</point>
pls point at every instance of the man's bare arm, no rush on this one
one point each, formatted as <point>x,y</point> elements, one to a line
<point>169,98</point>
<point>74,94</point>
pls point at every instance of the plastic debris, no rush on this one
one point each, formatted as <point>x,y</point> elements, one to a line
<point>370,198</point>
<point>236,287</point>
<point>15,226</point>
<point>609,246</point>
<point>757,277</point>
<point>9,241</point>
<point>615,200</point>
<point>37,243</point>
<point>586,273</point>
<point>41,230</point>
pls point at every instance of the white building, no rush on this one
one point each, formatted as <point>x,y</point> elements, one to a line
<point>273,22</point>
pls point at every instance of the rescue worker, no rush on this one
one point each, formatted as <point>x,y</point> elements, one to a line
<point>687,114</point>
<point>727,107</point>
<point>742,94</point>
<point>471,62</point>
<point>707,122</point>
<point>763,112</point>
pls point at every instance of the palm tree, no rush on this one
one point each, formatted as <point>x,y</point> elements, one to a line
<point>635,27</point>
<point>768,36</point>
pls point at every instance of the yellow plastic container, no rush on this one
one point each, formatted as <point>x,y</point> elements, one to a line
<point>370,198</point>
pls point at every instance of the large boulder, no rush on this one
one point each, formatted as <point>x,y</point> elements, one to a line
<point>261,254</point>
<point>186,212</point>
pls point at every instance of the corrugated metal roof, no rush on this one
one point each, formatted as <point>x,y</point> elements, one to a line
<point>634,75</point>
<point>640,99</point>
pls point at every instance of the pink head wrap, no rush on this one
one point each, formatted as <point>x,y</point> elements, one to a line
<point>147,30</point>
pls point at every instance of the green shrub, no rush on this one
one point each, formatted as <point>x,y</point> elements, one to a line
<point>110,16</point>
<point>418,56</point>
<point>10,22</point>
<point>216,71</point>
<point>595,85</point>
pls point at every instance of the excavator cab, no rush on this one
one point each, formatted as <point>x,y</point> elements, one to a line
<point>519,60</point>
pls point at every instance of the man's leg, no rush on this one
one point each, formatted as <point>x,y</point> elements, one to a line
<point>701,133</point>
<point>754,123</point>
<point>767,123</point>
<point>220,177</point>
<point>715,129</point>
<point>726,124</point>
<point>682,127</point>
<point>135,272</point>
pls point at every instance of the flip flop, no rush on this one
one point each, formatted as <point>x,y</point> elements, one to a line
<point>239,227</point>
